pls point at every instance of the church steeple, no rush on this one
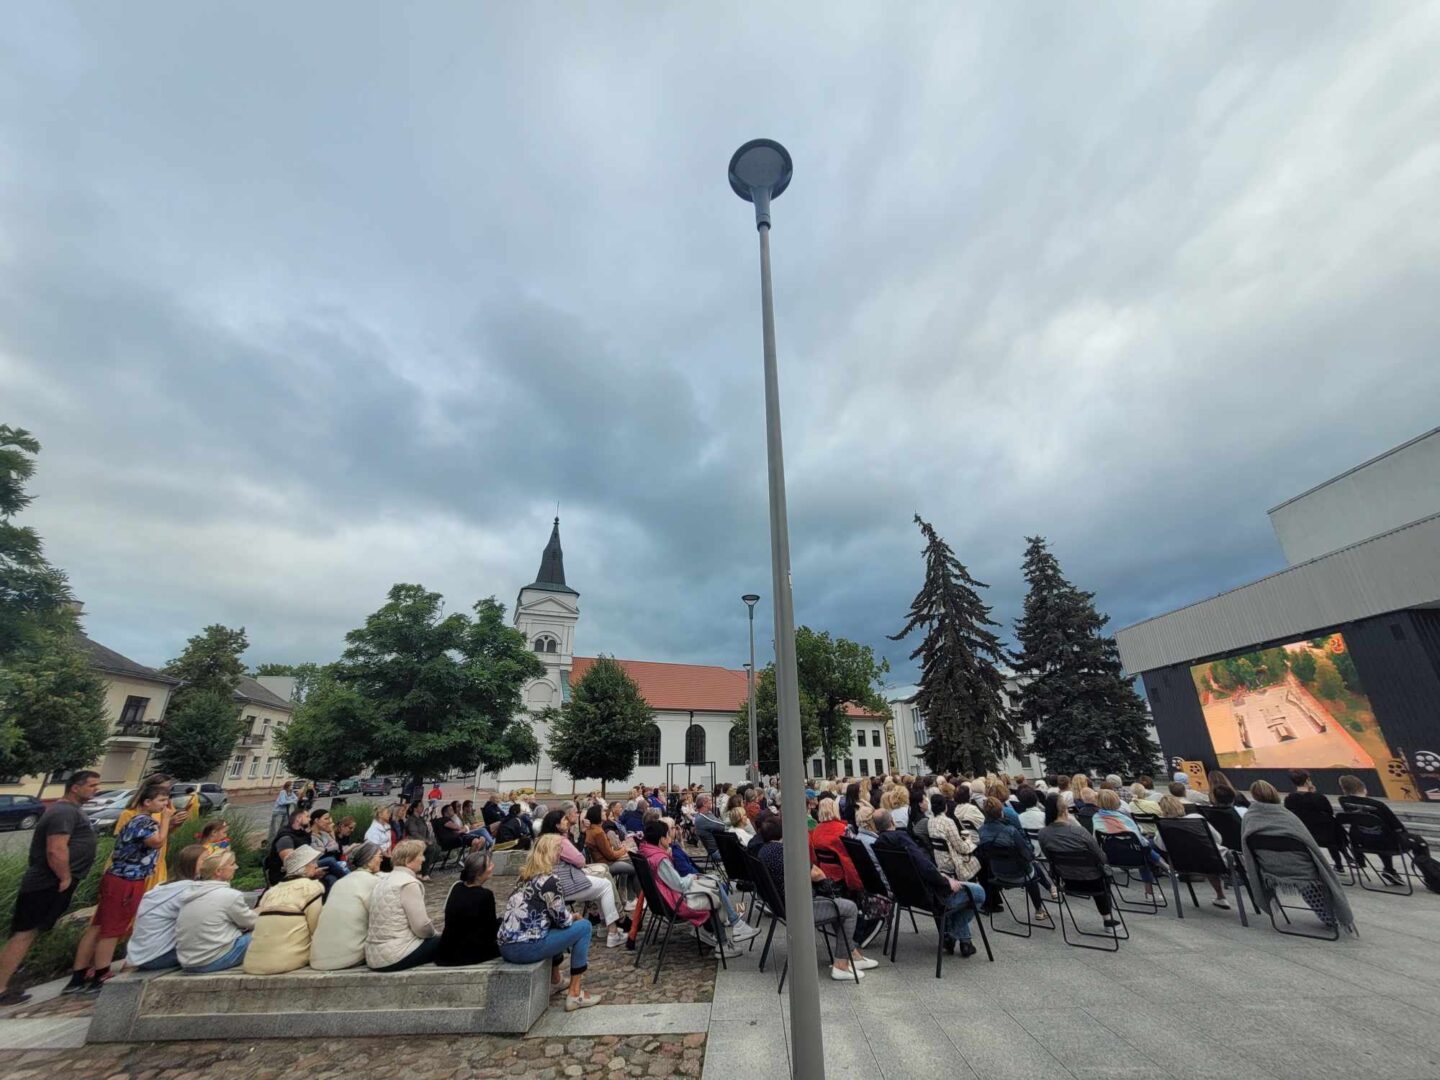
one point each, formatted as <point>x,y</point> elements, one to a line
<point>551,577</point>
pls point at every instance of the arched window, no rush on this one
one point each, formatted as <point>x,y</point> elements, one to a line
<point>650,748</point>
<point>545,643</point>
<point>739,746</point>
<point>694,745</point>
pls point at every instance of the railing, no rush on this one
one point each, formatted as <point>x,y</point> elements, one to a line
<point>138,729</point>
<point>252,739</point>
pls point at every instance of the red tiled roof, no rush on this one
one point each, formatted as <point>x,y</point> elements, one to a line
<point>683,687</point>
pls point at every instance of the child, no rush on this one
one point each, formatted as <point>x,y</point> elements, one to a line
<point>215,835</point>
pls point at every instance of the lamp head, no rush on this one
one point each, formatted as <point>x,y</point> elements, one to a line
<point>751,599</point>
<point>759,171</point>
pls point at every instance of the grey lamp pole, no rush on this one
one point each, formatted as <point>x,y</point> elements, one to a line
<point>759,171</point>
<point>750,601</point>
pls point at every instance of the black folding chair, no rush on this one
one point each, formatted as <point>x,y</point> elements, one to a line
<point>1191,850</point>
<point>1009,870</point>
<point>658,913</point>
<point>1374,830</point>
<point>1126,851</point>
<point>1329,834</point>
<point>1226,821</point>
<point>912,894</point>
<point>874,885</point>
<point>827,925</point>
<point>736,865</point>
<point>1262,850</point>
<point>1081,873</point>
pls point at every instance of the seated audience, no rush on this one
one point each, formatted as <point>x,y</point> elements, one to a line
<point>1309,873</point>
<point>1353,796</point>
<point>339,940</point>
<point>1032,814</point>
<point>1172,806</point>
<point>1316,813</point>
<point>295,834</point>
<point>578,886</point>
<point>684,892</point>
<point>379,832</point>
<point>961,899</point>
<point>1110,818</point>
<point>470,930</point>
<point>400,934</point>
<point>514,829</point>
<point>600,849</point>
<point>958,859</point>
<point>1218,779</point>
<point>212,931</point>
<point>1142,800</point>
<point>738,823</point>
<point>826,837</point>
<point>287,915</point>
<point>152,941</point>
<point>214,835</point>
<point>1062,836</point>
<point>1006,836</point>
<point>537,924</point>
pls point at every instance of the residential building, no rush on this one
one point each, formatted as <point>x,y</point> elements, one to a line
<point>911,734</point>
<point>265,709</point>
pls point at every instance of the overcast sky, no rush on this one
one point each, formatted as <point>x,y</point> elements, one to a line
<point>304,300</point>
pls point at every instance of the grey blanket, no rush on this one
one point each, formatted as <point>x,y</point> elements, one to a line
<point>1283,868</point>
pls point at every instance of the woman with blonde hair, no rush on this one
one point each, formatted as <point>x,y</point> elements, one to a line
<point>212,931</point>
<point>400,934</point>
<point>738,822</point>
<point>537,924</point>
<point>897,800</point>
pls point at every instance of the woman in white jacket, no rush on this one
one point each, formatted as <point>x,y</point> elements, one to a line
<point>400,933</point>
<point>339,940</point>
<point>213,928</point>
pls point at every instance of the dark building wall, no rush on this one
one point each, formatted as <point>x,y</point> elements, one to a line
<point>1398,658</point>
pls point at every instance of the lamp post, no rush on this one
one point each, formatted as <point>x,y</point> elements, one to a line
<point>750,601</point>
<point>759,171</point>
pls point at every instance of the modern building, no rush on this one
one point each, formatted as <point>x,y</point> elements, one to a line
<point>692,739</point>
<point>1331,665</point>
<point>911,734</point>
<point>266,708</point>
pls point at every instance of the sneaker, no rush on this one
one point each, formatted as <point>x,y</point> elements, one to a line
<point>949,944</point>
<point>614,939</point>
<point>842,975</point>
<point>13,997</point>
<point>1389,877</point>
<point>584,1001</point>
<point>95,985</point>
<point>706,937</point>
<point>730,951</point>
<point>743,931</point>
<point>1111,924</point>
<point>870,932</point>
<point>865,963</point>
<point>78,981</point>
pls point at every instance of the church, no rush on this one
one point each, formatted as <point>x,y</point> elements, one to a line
<point>691,740</point>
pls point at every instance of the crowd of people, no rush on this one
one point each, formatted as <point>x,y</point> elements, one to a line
<point>335,900</point>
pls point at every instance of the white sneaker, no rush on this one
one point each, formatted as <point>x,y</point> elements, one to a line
<point>731,952</point>
<point>865,964</point>
<point>743,931</point>
<point>614,938</point>
<point>841,975</point>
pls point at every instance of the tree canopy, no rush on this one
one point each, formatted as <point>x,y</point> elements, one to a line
<point>835,673</point>
<point>960,696</point>
<point>767,722</point>
<point>203,721</point>
<point>599,731</point>
<point>1084,712</point>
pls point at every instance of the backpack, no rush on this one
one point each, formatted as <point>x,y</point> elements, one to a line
<point>1428,867</point>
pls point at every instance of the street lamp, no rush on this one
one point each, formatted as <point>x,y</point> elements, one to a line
<point>750,601</point>
<point>759,171</point>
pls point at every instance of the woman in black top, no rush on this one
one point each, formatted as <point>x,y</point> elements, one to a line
<point>1317,815</point>
<point>470,924</point>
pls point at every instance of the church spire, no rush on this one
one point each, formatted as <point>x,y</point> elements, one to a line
<point>551,577</point>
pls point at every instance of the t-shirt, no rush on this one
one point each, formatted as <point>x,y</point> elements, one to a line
<point>470,927</point>
<point>61,818</point>
<point>133,858</point>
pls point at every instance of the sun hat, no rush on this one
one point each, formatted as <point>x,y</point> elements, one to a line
<point>297,859</point>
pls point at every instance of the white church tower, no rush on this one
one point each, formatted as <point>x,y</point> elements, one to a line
<point>546,612</point>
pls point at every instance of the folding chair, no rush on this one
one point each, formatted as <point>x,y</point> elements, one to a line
<point>1125,851</point>
<point>873,883</point>
<point>658,912</point>
<point>1075,873</point>
<point>776,903</point>
<point>1226,821</point>
<point>736,865</point>
<point>1263,850</point>
<point>911,894</point>
<point>1190,850</point>
<point>1009,870</point>
<point>1374,829</point>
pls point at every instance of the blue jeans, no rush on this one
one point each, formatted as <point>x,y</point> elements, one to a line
<point>167,959</point>
<point>231,959</point>
<point>575,938</point>
<point>479,834</point>
<point>959,910</point>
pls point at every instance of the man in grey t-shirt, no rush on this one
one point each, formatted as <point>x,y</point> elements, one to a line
<point>61,854</point>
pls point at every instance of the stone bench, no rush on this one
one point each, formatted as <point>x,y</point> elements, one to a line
<point>170,1006</point>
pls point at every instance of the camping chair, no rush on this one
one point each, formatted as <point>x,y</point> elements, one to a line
<point>1125,851</point>
<point>1263,850</point>
<point>659,913</point>
<point>1009,870</point>
<point>737,869</point>
<point>911,894</point>
<point>776,903</point>
<point>1190,850</point>
<point>877,892</point>
<point>1374,829</point>
<point>1075,874</point>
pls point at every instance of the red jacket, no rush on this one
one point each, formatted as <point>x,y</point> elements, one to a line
<point>826,837</point>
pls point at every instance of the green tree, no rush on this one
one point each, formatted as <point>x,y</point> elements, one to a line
<point>1303,665</point>
<point>202,721</point>
<point>306,675</point>
<point>599,731</point>
<point>330,732</point>
<point>443,691</point>
<point>1345,665</point>
<point>211,661</point>
<point>767,724</point>
<point>1328,683</point>
<point>33,594</point>
<point>1275,665</point>
<point>836,673</point>
<point>1084,712</point>
<point>960,681</point>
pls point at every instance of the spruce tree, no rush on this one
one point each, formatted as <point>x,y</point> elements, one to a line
<point>598,733</point>
<point>1083,711</point>
<point>960,684</point>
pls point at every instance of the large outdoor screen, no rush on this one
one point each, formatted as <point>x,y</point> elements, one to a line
<point>1299,705</point>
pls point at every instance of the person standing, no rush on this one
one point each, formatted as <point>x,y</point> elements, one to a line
<point>285,805</point>
<point>159,873</point>
<point>122,887</point>
<point>62,851</point>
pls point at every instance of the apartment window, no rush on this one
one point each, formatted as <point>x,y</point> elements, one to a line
<point>860,737</point>
<point>874,738</point>
<point>879,766</point>
<point>269,765</point>
<point>264,731</point>
<point>134,710</point>
<point>237,766</point>
<point>650,748</point>
<point>864,767</point>
<point>817,767</point>
<point>254,767</point>
<point>849,767</point>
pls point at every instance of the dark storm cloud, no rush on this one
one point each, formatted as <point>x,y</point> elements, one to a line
<point>304,304</point>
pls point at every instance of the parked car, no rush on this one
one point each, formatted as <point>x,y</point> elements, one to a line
<point>20,811</point>
<point>324,788</point>
<point>375,785</point>
<point>212,796</point>
<point>349,786</point>
<point>103,800</point>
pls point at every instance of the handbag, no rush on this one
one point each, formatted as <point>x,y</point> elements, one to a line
<point>704,893</point>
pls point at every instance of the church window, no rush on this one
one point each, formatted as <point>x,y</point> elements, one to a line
<point>694,745</point>
<point>739,745</point>
<point>545,644</point>
<point>650,747</point>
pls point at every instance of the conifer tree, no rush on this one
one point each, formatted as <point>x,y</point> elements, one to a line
<point>960,685</point>
<point>1085,714</point>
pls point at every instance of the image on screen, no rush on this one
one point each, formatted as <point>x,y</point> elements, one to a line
<point>1298,705</point>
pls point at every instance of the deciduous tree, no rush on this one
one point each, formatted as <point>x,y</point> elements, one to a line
<point>599,731</point>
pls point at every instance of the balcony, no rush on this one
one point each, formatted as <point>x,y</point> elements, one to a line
<point>137,729</point>
<point>251,738</point>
